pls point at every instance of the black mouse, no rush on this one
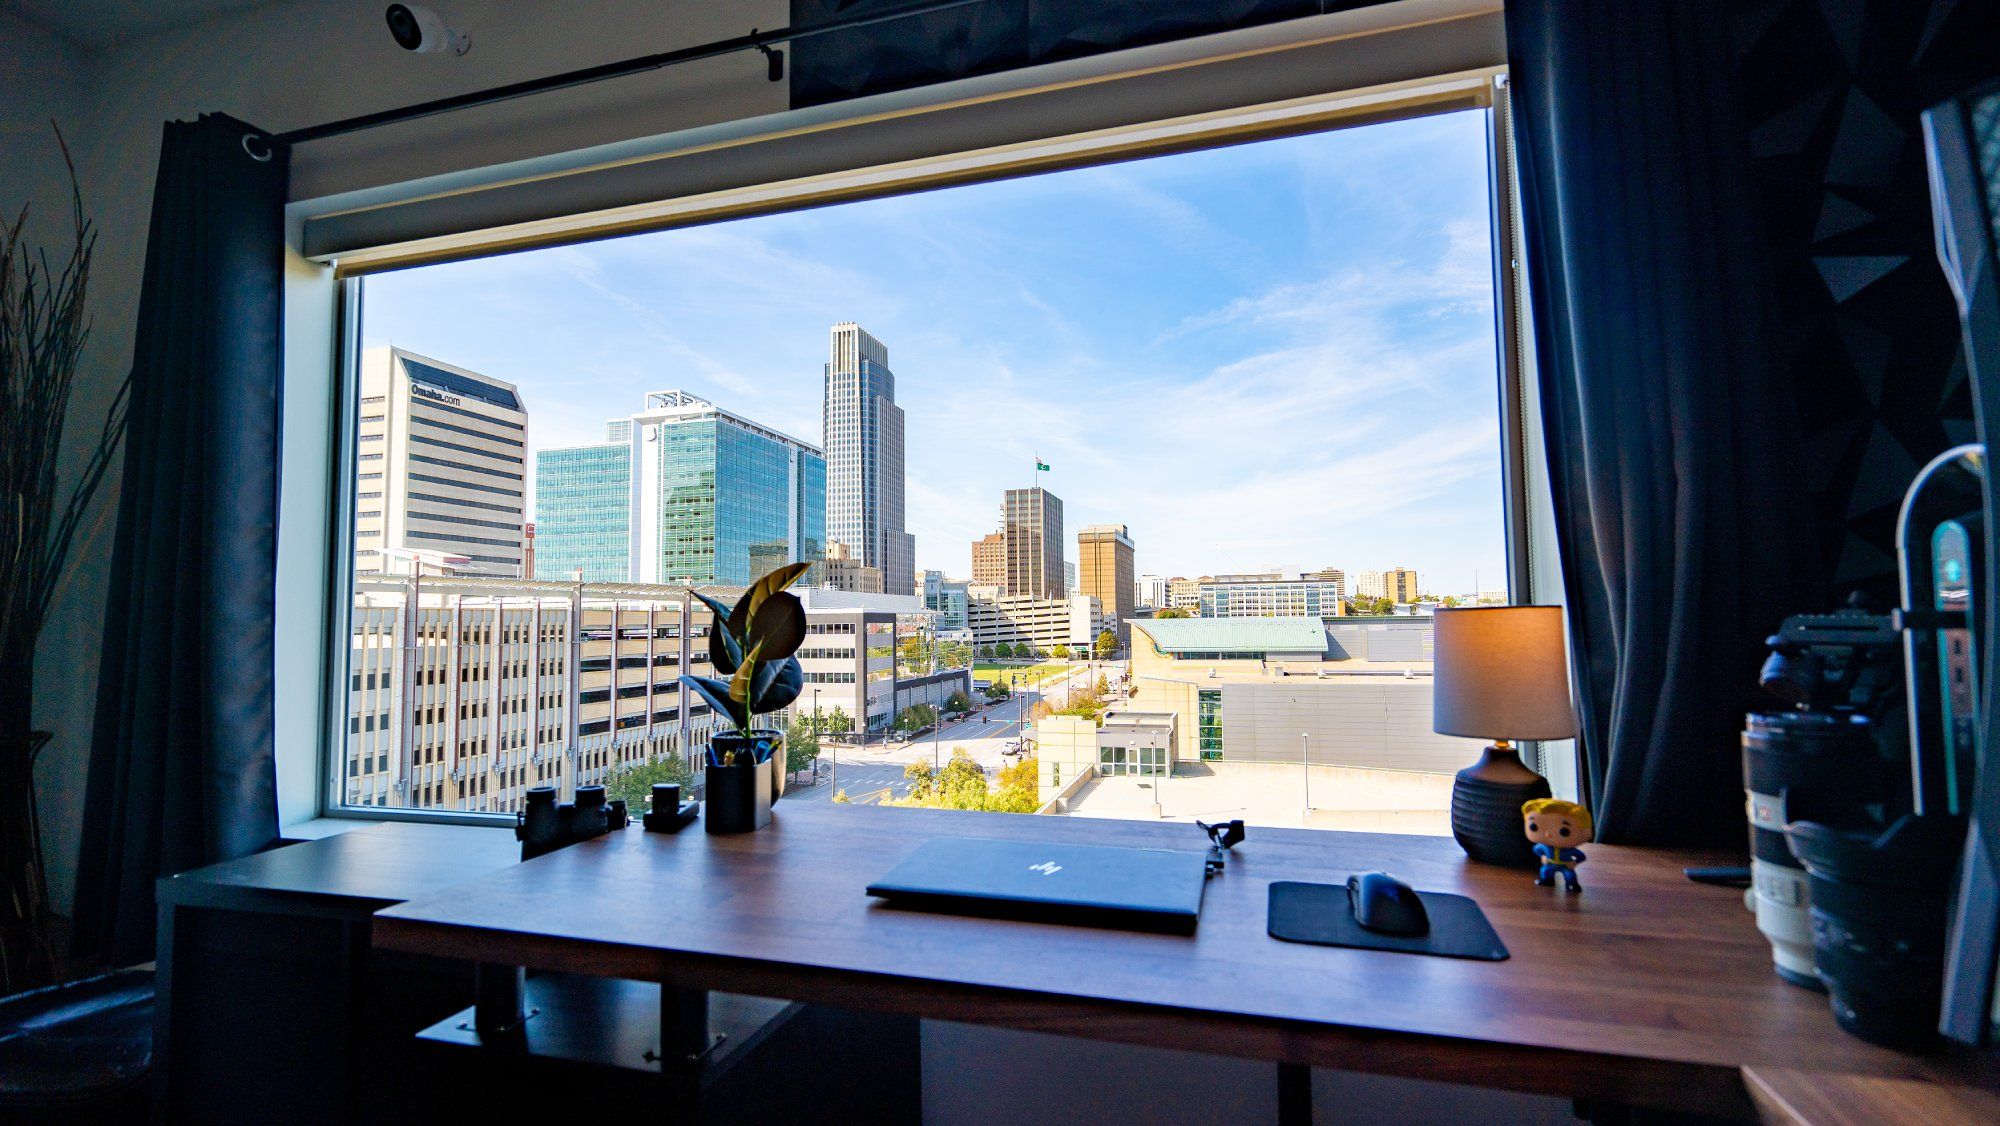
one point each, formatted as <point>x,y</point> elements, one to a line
<point>1386,905</point>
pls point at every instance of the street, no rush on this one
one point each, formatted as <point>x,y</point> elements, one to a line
<point>869,773</point>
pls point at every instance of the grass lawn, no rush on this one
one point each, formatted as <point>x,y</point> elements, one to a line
<point>1017,676</point>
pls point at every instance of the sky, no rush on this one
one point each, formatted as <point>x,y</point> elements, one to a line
<point>1272,355</point>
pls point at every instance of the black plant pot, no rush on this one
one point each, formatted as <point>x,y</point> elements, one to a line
<point>1486,808</point>
<point>1879,908</point>
<point>741,788</point>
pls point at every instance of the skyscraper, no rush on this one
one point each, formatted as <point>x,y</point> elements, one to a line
<point>1031,523</point>
<point>439,464</point>
<point>989,560</point>
<point>1152,591</point>
<point>1104,555</point>
<point>863,434</point>
<point>583,519</point>
<point>684,492</point>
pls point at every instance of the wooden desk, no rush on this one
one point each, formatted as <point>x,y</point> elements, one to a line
<point>271,1004</point>
<point>1646,989</point>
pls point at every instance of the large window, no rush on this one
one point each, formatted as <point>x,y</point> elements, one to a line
<point>1193,443</point>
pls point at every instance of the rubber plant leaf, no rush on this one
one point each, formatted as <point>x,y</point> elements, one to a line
<point>716,692</point>
<point>780,685</point>
<point>779,626</point>
<point>725,652</point>
<point>741,684</point>
<point>760,591</point>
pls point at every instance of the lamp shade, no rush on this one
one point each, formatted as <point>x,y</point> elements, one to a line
<point>1502,673</point>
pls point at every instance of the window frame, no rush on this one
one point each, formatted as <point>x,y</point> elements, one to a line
<point>337,293</point>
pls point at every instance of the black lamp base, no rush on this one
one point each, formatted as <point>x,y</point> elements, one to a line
<point>1486,808</point>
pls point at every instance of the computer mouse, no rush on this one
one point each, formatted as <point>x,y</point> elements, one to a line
<point>1386,905</point>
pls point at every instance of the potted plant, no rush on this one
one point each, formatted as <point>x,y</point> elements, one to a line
<point>752,643</point>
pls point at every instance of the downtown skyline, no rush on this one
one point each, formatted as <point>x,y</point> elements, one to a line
<point>1338,407</point>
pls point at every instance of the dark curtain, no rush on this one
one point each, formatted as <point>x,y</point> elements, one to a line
<point>1672,436</point>
<point>181,770</point>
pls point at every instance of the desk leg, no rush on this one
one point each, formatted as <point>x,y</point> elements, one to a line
<point>499,1002</point>
<point>684,1037</point>
<point>1295,1095</point>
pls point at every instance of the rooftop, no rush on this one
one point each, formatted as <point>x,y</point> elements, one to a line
<point>1234,635</point>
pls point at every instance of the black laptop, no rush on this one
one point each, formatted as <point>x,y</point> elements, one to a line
<point>1087,885</point>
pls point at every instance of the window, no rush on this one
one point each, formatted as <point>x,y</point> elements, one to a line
<point>1263,375</point>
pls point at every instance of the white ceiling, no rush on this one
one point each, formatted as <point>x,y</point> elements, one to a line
<point>100,23</point>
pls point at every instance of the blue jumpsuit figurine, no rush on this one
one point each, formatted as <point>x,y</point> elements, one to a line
<point>1557,827</point>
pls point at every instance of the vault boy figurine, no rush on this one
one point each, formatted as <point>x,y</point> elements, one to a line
<point>1557,827</point>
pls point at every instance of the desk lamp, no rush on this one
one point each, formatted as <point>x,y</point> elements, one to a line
<point>1502,674</point>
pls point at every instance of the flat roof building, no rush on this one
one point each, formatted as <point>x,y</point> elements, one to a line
<point>1313,594</point>
<point>1105,572</point>
<point>440,468</point>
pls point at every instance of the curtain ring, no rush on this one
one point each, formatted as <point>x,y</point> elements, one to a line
<point>254,154</point>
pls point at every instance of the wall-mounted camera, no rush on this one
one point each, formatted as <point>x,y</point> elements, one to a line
<point>417,28</point>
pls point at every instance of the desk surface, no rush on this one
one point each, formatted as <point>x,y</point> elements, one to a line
<point>363,869</point>
<point>1646,988</point>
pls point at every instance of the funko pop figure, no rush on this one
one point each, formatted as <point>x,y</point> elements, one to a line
<point>1557,827</point>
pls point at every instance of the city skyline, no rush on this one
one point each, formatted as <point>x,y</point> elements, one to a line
<point>1303,384</point>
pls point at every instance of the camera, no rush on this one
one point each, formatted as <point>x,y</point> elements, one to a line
<point>417,28</point>
<point>1825,758</point>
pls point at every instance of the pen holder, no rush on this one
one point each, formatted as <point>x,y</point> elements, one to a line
<point>740,790</point>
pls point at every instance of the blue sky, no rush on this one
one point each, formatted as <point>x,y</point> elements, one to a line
<point>1272,355</point>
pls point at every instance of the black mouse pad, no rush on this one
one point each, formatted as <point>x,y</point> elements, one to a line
<point>1318,913</point>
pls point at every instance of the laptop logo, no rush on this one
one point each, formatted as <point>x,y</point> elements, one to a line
<point>1046,867</point>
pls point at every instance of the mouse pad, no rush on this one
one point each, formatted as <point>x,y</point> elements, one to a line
<point>1318,914</point>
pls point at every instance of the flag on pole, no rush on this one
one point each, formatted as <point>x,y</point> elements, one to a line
<point>1041,466</point>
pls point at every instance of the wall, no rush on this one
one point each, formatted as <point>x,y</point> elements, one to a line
<point>280,67</point>
<point>42,78</point>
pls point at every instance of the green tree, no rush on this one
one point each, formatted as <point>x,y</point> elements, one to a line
<point>1175,612</point>
<point>1102,687</point>
<point>915,718</point>
<point>801,745</point>
<point>1060,653</point>
<point>634,784</point>
<point>1006,650</point>
<point>959,702</point>
<point>963,784</point>
<point>1450,601</point>
<point>838,722</point>
<point>986,652</point>
<point>1107,644</point>
<point>998,690</point>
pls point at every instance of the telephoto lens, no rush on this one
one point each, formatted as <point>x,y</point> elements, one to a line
<point>1879,909</point>
<point>1798,764</point>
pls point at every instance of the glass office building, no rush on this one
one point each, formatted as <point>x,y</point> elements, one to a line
<point>684,493</point>
<point>583,522</point>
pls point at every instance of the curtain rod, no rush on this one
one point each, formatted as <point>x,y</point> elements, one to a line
<point>755,41</point>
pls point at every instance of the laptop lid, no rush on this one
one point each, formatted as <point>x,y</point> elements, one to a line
<point>1091,885</point>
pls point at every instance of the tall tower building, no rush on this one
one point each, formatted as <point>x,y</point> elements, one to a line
<point>1400,584</point>
<point>989,561</point>
<point>1104,571</point>
<point>863,435</point>
<point>1031,524</point>
<point>440,461</point>
<point>683,492</point>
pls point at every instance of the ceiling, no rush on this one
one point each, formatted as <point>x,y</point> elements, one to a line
<point>100,23</point>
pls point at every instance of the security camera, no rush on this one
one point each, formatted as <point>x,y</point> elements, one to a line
<point>417,28</point>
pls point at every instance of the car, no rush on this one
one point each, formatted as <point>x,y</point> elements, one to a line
<point>1017,747</point>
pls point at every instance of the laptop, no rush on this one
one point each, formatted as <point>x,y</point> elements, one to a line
<point>1085,885</point>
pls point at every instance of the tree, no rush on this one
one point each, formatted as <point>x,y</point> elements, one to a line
<point>1107,644</point>
<point>1450,601</point>
<point>998,690</point>
<point>959,702</point>
<point>1060,653</point>
<point>838,722</point>
<point>634,784</point>
<point>1174,612</point>
<point>913,651</point>
<point>963,784</point>
<point>801,745</point>
<point>914,718</point>
<point>1102,687</point>
<point>986,652</point>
